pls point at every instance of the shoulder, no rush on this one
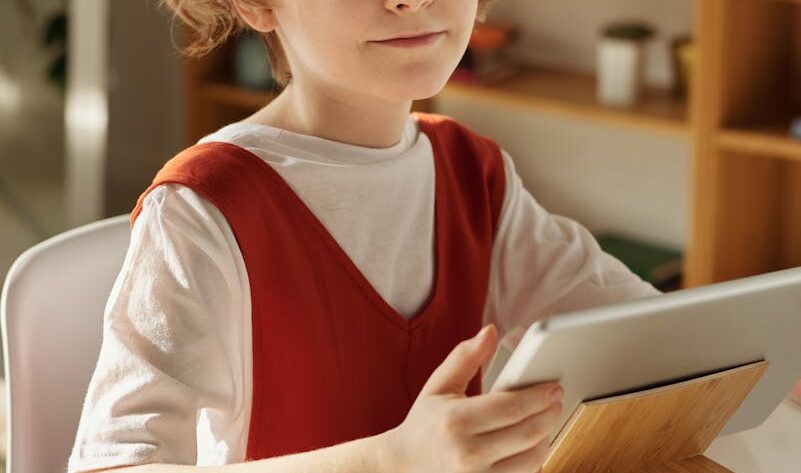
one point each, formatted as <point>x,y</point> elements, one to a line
<point>474,160</point>
<point>176,208</point>
<point>449,127</point>
<point>216,170</point>
<point>177,200</point>
<point>183,226</point>
<point>207,161</point>
<point>448,136</point>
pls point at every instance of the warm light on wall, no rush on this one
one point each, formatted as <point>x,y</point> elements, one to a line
<point>86,114</point>
<point>10,96</point>
<point>87,111</point>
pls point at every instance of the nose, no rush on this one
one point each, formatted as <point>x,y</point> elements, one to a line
<point>400,6</point>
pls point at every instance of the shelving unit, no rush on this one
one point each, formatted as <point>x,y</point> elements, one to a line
<point>767,139</point>
<point>746,169</point>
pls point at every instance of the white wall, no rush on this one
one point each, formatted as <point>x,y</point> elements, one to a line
<point>31,119</point>
<point>605,177</point>
<point>31,134</point>
<point>30,107</point>
<point>146,100</point>
<point>87,110</point>
<point>125,108</point>
<point>31,138</point>
<point>564,32</point>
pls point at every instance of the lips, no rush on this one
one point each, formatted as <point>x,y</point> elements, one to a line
<point>415,35</point>
<point>412,39</point>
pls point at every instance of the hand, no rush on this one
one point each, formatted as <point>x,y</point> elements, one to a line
<point>499,432</point>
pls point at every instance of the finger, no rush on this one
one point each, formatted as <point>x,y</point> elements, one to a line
<point>520,437</point>
<point>460,366</point>
<point>530,460</point>
<point>499,409</point>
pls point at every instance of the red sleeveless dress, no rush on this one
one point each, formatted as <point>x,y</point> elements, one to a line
<point>332,361</point>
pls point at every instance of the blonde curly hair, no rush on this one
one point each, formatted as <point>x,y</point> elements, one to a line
<point>212,22</point>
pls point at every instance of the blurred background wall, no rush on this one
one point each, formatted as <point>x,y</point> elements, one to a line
<point>135,76</point>
<point>607,178</point>
<point>142,91</point>
<point>31,132</point>
<point>146,106</point>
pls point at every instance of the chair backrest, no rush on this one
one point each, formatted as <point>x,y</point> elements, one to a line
<point>52,319</point>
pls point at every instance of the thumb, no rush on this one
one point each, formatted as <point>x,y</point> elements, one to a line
<point>460,366</point>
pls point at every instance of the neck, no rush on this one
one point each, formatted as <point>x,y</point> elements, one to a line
<point>336,114</point>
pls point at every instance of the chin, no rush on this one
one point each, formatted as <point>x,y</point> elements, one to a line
<point>418,87</point>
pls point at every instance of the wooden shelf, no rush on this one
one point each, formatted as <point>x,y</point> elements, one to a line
<point>572,95</point>
<point>771,140</point>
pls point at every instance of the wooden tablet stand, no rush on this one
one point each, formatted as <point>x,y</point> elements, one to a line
<point>660,430</point>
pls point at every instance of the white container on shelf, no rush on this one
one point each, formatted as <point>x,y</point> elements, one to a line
<point>619,71</point>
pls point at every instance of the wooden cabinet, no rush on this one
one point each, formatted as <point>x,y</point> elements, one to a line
<point>746,203</point>
<point>213,99</point>
<point>746,169</point>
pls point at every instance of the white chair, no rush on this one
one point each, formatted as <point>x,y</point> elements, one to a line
<point>52,318</point>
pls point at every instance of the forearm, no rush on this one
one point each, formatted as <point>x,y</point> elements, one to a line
<point>368,454</point>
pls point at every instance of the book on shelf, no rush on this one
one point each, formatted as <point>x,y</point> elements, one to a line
<point>656,264</point>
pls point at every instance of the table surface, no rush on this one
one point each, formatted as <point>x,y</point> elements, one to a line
<point>773,447</point>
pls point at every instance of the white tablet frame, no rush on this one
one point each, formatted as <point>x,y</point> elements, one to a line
<point>659,340</point>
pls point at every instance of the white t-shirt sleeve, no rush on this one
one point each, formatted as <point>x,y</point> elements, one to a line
<point>545,264</point>
<point>170,384</point>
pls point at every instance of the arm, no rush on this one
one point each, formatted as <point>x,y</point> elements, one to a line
<point>444,431</point>
<point>545,264</point>
<point>363,455</point>
<point>170,383</point>
<point>175,350</point>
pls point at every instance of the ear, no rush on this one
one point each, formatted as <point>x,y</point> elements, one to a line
<point>260,18</point>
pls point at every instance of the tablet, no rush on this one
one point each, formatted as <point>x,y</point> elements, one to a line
<point>659,340</point>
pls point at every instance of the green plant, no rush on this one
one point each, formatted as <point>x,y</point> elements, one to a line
<point>630,30</point>
<point>54,37</point>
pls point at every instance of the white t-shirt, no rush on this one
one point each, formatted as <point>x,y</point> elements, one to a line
<point>173,379</point>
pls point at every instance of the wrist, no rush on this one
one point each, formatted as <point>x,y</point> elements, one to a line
<point>386,456</point>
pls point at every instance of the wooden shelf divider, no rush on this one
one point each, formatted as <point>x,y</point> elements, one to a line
<point>224,93</point>
<point>771,142</point>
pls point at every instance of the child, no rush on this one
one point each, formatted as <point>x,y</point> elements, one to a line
<point>301,287</point>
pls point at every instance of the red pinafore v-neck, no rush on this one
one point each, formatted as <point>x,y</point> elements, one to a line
<point>332,360</point>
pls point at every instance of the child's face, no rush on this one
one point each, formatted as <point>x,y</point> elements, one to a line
<point>334,42</point>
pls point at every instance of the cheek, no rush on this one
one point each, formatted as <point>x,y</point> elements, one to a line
<point>329,51</point>
<point>467,20</point>
<point>460,18</point>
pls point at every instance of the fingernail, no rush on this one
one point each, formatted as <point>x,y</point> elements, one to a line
<point>557,393</point>
<point>482,333</point>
